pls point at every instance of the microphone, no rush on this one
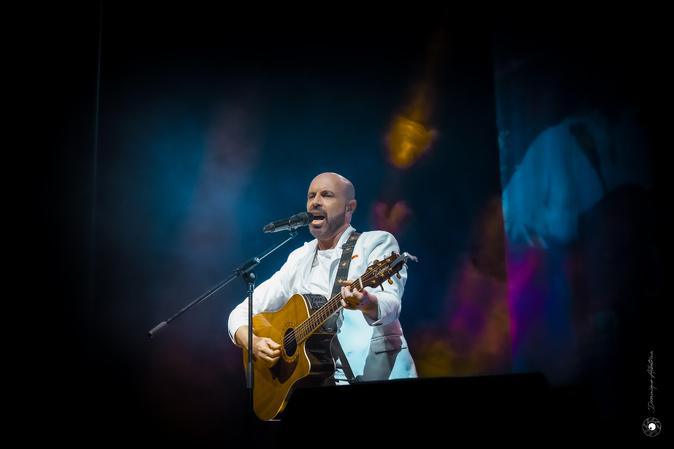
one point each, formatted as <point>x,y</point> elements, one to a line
<point>295,221</point>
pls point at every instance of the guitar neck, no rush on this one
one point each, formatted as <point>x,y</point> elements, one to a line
<point>320,316</point>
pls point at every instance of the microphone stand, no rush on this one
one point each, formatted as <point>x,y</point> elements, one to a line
<point>245,271</point>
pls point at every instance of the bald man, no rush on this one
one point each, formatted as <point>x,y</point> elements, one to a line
<point>368,329</point>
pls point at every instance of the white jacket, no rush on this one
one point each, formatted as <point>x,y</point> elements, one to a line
<point>376,350</point>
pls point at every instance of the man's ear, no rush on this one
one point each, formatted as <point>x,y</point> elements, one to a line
<point>351,206</point>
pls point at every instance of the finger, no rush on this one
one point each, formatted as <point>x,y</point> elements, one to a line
<point>269,360</point>
<point>363,298</point>
<point>270,347</point>
<point>268,354</point>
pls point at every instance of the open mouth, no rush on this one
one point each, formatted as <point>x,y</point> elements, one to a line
<point>318,218</point>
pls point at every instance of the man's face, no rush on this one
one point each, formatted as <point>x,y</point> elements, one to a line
<point>327,198</point>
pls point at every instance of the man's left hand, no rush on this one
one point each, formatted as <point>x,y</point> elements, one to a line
<point>366,302</point>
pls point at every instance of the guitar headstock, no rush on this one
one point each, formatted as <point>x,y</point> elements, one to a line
<point>381,271</point>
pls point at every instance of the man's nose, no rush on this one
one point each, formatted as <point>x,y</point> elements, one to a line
<point>316,203</point>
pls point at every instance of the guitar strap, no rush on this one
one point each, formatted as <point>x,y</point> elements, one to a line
<point>342,275</point>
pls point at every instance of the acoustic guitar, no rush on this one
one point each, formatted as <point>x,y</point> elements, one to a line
<point>306,358</point>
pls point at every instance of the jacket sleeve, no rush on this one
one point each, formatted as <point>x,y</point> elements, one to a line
<point>389,300</point>
<point>270,295</point>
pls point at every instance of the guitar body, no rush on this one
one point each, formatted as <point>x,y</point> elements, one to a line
<point>306,357</point>
<point>307,363</point>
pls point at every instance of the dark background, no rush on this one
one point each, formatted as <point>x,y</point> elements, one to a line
<point>212,122</point>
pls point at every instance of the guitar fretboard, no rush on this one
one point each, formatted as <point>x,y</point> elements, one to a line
<point>320,316</point>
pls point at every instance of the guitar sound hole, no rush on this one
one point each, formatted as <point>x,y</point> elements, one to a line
<point>289,342</point>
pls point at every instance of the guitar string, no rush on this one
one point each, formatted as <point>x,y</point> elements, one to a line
<point>324,312</point>
<point>313,321</point>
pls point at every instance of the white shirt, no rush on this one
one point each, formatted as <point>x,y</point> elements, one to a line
<point>319,276</point>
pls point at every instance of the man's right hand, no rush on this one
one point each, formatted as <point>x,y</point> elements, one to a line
<point>265,349</point>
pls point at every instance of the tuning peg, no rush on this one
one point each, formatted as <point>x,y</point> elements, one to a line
<point>410,256</point>
<point>390,281</point>
<point>398,275</point>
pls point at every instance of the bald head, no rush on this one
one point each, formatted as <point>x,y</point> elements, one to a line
<point>344,185</point>
<point>333,197</point>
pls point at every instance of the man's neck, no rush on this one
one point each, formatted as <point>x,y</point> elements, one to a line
<point>332,242</point>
